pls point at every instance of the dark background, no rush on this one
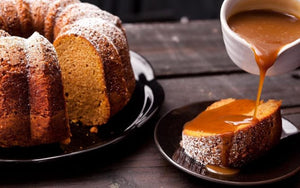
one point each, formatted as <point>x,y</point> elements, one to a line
<point>160,10</point>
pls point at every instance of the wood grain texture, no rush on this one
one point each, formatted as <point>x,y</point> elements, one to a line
<point>181,48</point>
<point>134,162</point>
<point>182,91</point>
<point>192,65</point>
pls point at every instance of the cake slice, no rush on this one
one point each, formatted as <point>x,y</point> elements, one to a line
<point>93,73</point>
<point>227,135</point>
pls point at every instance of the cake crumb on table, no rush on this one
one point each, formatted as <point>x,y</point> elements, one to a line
<point>94,130</point>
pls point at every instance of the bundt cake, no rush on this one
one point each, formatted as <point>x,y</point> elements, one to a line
<point>93,55</point>
<point>115,68</point>
<point>54,11</point>
<point>77,11</point>
<point>10,20</point>
<point>32,101</point>
<point>226,135</point>
<point>35,12</point>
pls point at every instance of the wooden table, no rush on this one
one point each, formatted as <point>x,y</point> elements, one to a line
<point>191,64</point>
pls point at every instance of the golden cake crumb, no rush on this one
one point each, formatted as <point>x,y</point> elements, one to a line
<point>94,130</point>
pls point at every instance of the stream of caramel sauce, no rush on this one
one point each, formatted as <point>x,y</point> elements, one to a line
<point>267,32</point>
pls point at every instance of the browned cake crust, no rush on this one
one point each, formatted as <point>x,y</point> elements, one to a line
<point>4,33</point>
<point>238,148</point>
<point>48,118</point>
<point>111,45</point>
<point>54,10</point>
<point>23,10</point>
<point>107,39</point>
<point>32,102</point>
<point>113,70</point>
<point>105,33</point>
<point>10,17</point>
<point>2,23</point>
<point>77,11</point>
<point>118,39</point>
<point>14,113</point>
<point>38,10</point>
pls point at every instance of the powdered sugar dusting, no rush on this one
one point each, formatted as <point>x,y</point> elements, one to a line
<point>78,11</point>
<point>206,150</point>
<point>42,50</point>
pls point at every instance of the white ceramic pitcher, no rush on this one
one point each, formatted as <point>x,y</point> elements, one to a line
<point>239,50</point>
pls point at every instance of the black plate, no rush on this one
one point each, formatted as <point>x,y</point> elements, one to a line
<point>267,169</point>
<point>145,102</point>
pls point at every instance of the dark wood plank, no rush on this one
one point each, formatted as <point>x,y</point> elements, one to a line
<point>182,91</point>
<point>135,162</point>
<point>181,49</point>
<point>191,62</point>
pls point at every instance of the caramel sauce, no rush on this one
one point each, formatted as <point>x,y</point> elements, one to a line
<point>222,170</point>
<point>224,119</point>
<point>267,32</point>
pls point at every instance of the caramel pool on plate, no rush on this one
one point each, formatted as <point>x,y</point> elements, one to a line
<point>267,32</point>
